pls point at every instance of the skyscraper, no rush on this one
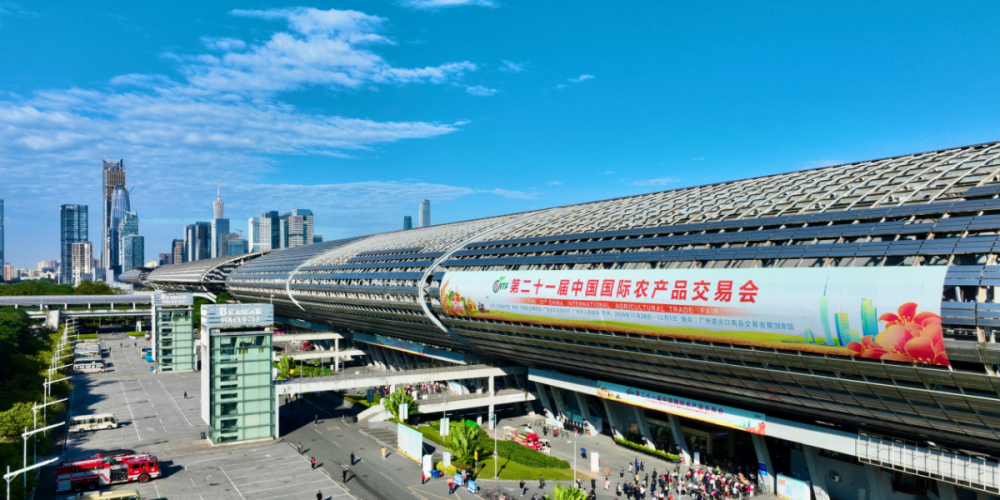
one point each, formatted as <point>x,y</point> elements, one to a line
<point>296,228</point>
<point>1,234</point>
<point>317,238</point>
<point>165,259</point>
<point>83,262</point>
<point>425,213</point>
<point>73,228</point>
<point>197,241</point>
<point>265,232</point>
<point>235,244</point>
<point>177,249</point>
<point>120,206</point>
<point>113,175</point>
<point>133,251</point>
<point>407,222</point>
<point>128,226</point>
<point>220,226</point>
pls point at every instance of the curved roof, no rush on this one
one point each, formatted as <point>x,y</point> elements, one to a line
<point>207,275</point>
<point>136,276</point>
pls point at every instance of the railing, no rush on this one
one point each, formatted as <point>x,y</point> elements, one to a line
<point>951,466</point>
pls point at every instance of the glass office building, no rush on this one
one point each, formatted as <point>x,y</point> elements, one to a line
<point>238,396</point>
<point>73,228</point>
<point>174,334</point>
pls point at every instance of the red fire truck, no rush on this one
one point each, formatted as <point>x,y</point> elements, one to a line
<point>525,438</point>
<point>90,473</point>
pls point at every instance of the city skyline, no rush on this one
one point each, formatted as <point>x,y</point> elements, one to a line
<point>483,121</point>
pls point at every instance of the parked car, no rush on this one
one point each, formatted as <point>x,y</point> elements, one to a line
<point>307,346</point>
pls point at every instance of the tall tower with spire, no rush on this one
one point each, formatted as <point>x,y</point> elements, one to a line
<point>220,225</point>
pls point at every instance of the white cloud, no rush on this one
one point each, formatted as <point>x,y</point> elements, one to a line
<point>609,172</point>
<point>506,193</point>
<point>581,78</point>
<point>561,86</point>
<point>437,4</point>
<point>554,183</point>
<point>225,120</point>
<point>662,181</point>
<point>700,158</point>
<point>512,67</point>
<point>480,90</point>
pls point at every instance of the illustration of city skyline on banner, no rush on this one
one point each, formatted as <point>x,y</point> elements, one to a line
<point>826,310</point>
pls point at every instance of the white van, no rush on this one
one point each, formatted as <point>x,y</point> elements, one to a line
<point>83,423</point>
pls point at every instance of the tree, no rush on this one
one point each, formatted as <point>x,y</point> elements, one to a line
<point>223,298</point>
<point>566,493</point>
<point>14,420</point>
<point>15,337</point>
<point>285,367</point>
<point>464,442</point>
<point>392,402</point>
<point>93,288</point>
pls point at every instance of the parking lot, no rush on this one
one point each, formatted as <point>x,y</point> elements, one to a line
<point>155,417</point>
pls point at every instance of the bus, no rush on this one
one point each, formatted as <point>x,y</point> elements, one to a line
<point>87,355</point>
<point>88,366</point>
<point>107,495</point>
<point>84,423</point>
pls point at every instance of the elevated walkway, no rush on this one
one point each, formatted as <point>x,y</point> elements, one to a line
<point>950,466</point>
<point>299,337</point>
<point>43,301</point>
<point>320,354</point>
<point>384,378</point>
<point>436,404</point>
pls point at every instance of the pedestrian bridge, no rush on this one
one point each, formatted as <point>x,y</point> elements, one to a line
<point>362,379</point>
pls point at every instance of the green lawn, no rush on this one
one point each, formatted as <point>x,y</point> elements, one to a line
<point>515,471</point>
<point>136,334</point>
<point>88,336</point>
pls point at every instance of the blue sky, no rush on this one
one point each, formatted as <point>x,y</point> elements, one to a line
<point>360,109</point>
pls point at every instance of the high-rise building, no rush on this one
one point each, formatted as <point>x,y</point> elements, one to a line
<point>128,226</point>
<point>197,241</point>
<point>1,235</point>
<point>73,228</point>
<point>407,222</point>
<point>8,272</point>
<point>120,206</point>
<point>133,251</point>
<point>425,213</point>
<point>82,261</point>
<point>165,259</point>
<point>177,249</point>
<point>235,245</point>
<point>113,175</point>
<point>220,226</point>
<point>296,228</point>
<point>317,238</point>
<point>265,232</point>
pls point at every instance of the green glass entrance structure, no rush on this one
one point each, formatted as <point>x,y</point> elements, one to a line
<point>238,399</point>
<point>173,332</point>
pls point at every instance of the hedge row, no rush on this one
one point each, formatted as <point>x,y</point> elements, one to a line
<point>646,450</point>
<point>526,456</point>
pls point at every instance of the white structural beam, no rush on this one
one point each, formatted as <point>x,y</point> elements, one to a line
<point>437,405</point>
<point>317,354</point>
<point>299,337</point>
<point>392,378</point>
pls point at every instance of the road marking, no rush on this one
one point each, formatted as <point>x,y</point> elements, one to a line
<point>175,403</point>
<point>333,428</point>
<point>232,483</point>
<point>130,410</point>
<point>158,495</point>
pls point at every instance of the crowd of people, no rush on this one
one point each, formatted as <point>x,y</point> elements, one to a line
<point>696,483</point>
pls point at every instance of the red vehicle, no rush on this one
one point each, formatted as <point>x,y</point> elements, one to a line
<point>307,346</point>
<point>78,475</point>
<point>524,438</point>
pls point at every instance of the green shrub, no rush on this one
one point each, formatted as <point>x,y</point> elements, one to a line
<point>450,470</point>
<point>648,451</point>
<point>526,456</point>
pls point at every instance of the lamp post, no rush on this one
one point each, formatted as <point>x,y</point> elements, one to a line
<point>34,414</point>
<point>574,459</point>
<point>496,452</point>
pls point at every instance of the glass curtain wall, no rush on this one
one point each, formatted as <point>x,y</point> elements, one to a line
<point>175,339</point>
<point>241,393</point>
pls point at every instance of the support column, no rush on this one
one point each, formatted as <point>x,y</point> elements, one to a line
<point>678,434</point>
<point>557,395</point>
<point>492,387</point>
<point>336,355</point>
<point>612,421</point>
<point>875,486</point>
<point>493,420</point>
<point>395,357</point>
<point>543,397</point>
<point>581,401</point>
<point>946,491</point>
<point>816,476</point>
<point>277,415</point>
<point>640,420</point>
<point>763,457</point>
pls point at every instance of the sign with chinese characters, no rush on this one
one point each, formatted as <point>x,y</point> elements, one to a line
<point>725,416</point>
<point>889,313</point>
<point>172,299</point>
<point>790,488</point>
<point>237,315</point>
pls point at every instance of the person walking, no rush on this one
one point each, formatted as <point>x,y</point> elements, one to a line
<point>423,478</point>
<point>345,475</point>
<point>621,473</point>
<point>299,447</point>
<point>607,483</point>
<point>185,394</point>
<point>523,489</point>
<point>312,462</point>
<point>541,482</point>
<point>319,495</point>
<point>593,483</point>
<point>316,421</point>
<point>630,468</point>
<point>352,458</point>
<point>383,453</point>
